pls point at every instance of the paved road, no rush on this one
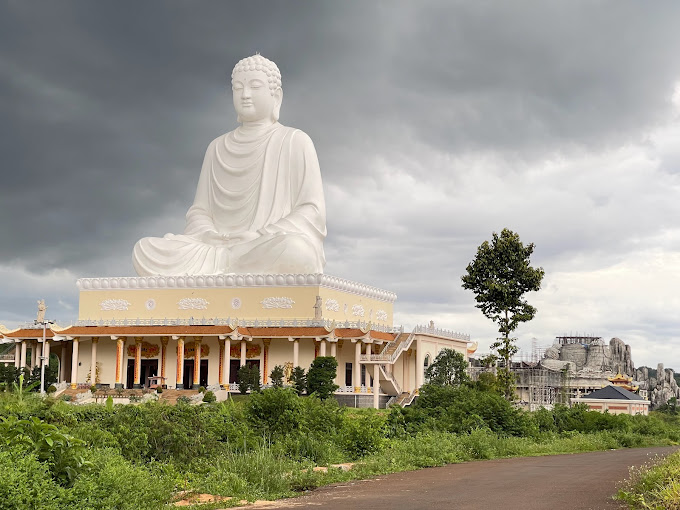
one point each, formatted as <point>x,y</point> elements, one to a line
<point>584,481</point>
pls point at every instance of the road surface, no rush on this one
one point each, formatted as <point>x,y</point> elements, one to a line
<point>584,481</point>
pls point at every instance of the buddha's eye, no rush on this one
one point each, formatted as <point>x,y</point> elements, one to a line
<point>256,84</point>
<point>237,86</point>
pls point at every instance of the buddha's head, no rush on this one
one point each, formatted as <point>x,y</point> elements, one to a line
<point>256,86</point>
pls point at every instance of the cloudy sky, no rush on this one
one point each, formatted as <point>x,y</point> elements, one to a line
<point>436,123</point>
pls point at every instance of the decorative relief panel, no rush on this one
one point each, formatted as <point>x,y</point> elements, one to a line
<point>115,304</point>
<point>381,315</point>
<point>252,351</point>
<point>332,305</point>
<point>192,304</point>
<point>150,304</point>
<point>277,302</point>
<point>236,303</point>
<point>148,350</point>
<point>358,311</point>
<point>190,350</point>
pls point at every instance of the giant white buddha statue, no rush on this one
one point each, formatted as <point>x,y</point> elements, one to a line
<point>259,205</point>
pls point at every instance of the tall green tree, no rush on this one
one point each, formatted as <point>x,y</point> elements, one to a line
<point>500,275</point>
<point>449,368</point>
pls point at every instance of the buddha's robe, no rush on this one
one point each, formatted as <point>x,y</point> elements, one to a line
<point>266,183</point>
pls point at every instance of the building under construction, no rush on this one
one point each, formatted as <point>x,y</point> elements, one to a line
<point>572,367</point>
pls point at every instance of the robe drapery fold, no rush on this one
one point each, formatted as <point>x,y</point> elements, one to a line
<point>263,190</point>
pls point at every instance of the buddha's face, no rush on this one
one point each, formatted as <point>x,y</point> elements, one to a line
<point>253,100</point>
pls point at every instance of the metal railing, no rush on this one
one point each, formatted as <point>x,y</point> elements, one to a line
<point>445,333</point>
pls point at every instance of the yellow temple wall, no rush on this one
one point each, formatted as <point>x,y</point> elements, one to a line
<point>249,303</point>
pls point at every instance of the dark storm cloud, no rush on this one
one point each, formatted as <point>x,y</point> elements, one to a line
<point>435,124</point>
<point>108,107</point>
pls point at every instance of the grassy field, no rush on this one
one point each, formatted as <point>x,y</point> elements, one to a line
<point>54,455</point>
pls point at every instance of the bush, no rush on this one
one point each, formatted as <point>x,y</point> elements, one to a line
<point>159,390</point>
<point>275,411</point>
<point>209,397</point>
<point>201,389</point>
<point>62,452</point>
<point>120,484</point>
<point>299,380</point>
<point>248,378</point>
<point>364,433</point>
<point>52,389</point>
<point>277,376</point>
<point>463,409</point>
<point>26,482</point>
<point>321,376</point>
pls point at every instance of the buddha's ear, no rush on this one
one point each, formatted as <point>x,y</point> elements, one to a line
<point>278,99</point>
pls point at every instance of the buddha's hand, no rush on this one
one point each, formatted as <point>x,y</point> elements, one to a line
<point>242,237</point>
<point>214,238</point>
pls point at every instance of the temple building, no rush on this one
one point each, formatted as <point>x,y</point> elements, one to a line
<point>614,399</point>
<point>197,331</point>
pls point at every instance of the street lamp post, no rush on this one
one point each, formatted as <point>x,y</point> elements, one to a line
<point>43,358</point>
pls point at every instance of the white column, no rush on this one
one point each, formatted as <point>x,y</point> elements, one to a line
<point>376,386</point>
<point>62,362</point>
<point>243,352</point>
<point>296,352</point>
<point>17,354</point>
<point>46,352</point>
<point>179,384</point>
<point>23,354</point>
<point>38,354</point>
<point>74,364</point>
<point>33,355</point>
<point>420,359</point>
<point>322,347</point>
<point>226,369</point>
<point>356,369</point>
<point>93,363</point>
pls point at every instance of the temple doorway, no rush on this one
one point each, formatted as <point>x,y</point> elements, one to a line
<point>235,364</point>
<point>148,368</point>
<point>189,374</point>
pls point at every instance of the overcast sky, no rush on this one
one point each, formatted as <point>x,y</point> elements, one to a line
<point>436,123</point>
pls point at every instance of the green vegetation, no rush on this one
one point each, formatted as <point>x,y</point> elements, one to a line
<point>321,375</point>
<point>449,368</point>
<point>276,376</point>
<point>499,276</point>
<point>655,486</point>
<point>262,446</point>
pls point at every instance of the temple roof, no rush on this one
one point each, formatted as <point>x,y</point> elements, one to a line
<point>30,333</point>
<point>183,330</point>
<point>614,393</point>
<point>620,378</point>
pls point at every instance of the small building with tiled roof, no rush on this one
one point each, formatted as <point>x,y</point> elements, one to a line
<point>615,400</point>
